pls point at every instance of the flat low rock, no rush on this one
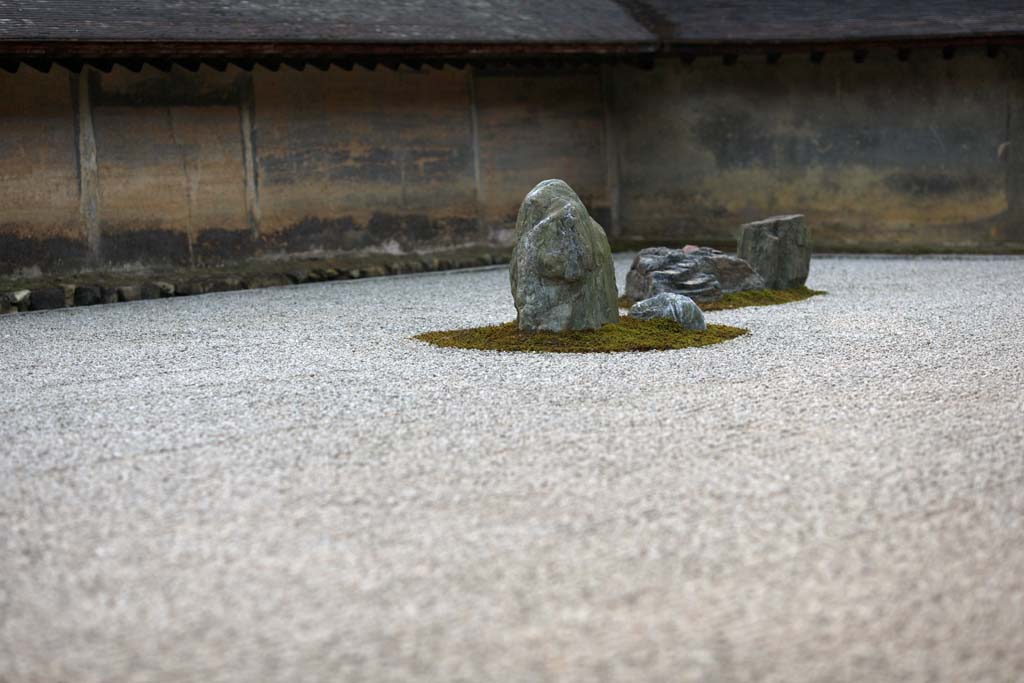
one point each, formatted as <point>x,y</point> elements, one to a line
<point>676,307</point>
<point>561,270</point>
<point>779,249</point>
<point>47,298</point>
<point>701,273</point>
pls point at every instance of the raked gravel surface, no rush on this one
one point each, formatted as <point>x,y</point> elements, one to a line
<point>279,485</point>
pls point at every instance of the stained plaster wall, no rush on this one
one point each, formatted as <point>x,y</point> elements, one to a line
<point>147,170</point>
<point>134,171</point>
<point>886,154</point>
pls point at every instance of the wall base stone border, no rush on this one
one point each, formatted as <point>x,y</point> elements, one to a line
<point>101,288</point>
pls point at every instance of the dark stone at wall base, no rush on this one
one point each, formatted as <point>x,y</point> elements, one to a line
<point>14,302</point>
<point>20,299</point>
<point>225,284</point>
<point>47,298</point>
<point>129,293</point>
<point>108,295</point>
<point>88,295</point>
<point>779,249</point>
<point>149,290</point>
<point>262,281</point>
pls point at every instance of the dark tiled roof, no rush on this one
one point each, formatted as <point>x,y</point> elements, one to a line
<point>300,29</point>
<point>825,21</point>
<point>345,21</point>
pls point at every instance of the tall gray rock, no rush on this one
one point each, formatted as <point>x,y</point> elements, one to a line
<point>561,269</point>
<point>701,273</point>
<point>779,249</point>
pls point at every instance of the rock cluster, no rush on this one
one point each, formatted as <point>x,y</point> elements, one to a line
<point>561,270</point>
<point>779,249</point>
<point>701,273</point>
<point>676,307</point>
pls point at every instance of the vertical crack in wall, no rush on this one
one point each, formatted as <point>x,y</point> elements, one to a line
<point>1014,158</point>
<point>88,174</point>
<point>474,129</point>
<point>611,149</point>
<point>247,122</point>
<point>189,190</point>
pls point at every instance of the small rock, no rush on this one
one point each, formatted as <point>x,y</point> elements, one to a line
<point>676,307</point>
<point>87,295</point>
<point>14,302</point>
<point>47,298</point>
<point>298,276</point>
<point>129,293</point>
<point>779,249</point>
<point>561,270</point>
<point>108,295</point>
<point>190,288</point>
<point>355,273</point>
<point>375,271</point>
<point>224,284</point>
<point>268,280</point>
<point>149,290</point>
<point>166,288</point>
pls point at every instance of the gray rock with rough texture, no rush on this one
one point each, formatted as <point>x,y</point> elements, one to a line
<point>779,249</point>
<point>561,270</point>
<point>676,307</point>
<point>47,298</point>
<point>701,273</point>
<point>88,295</point>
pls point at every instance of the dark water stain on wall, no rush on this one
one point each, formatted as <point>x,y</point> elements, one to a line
<point>924,184</point>
<point>149,246</point>
<point>382,231</point>
<point>216,246</point>
<point>49,254</point>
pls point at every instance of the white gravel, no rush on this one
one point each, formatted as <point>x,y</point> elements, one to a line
<point>280,485</point>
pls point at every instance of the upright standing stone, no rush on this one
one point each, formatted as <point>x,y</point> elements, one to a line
<point>779,249</point>
<point>561,269</point>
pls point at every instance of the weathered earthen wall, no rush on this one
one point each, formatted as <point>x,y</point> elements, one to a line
<point>887,154</point>
<point>159,170</point>
<point>151,170</point>
<point>40,226</point>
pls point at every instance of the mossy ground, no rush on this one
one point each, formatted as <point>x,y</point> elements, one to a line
<point>756,297</point>
<point>628,334</point>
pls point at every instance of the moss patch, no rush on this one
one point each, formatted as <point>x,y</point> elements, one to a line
<point>626,335</point>
<point>755,297</point>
